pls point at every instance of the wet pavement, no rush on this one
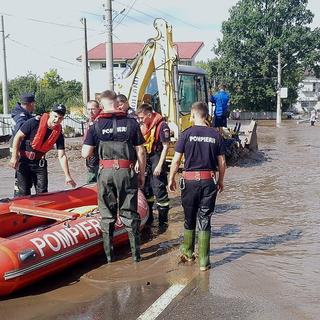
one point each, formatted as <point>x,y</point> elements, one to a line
<point>264,249</point>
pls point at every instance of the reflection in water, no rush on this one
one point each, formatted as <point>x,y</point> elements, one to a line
<point>240,249</point>
<point>280,195</point>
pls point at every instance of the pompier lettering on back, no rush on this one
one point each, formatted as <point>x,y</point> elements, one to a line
<point>66,237</point>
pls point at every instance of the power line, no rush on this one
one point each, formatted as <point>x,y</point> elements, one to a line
<point>139,11</point>
<point>78,39</point>
<point>47,22</point>
<point>42,53</point>
<point>153,17</point>
<point>126,14</point>
<point>174,17</point>
<point>137,20</point>
<point>119,13</point>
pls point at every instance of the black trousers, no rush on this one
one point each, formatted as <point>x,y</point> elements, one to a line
<point>156,186</point>
<point>118,189</point>
<point>198,201</point>
<point>32,173</point>
<point>220,121</point>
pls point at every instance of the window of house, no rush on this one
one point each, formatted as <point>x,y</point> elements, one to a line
<point>123,65</point>
<point>314,87</point>
<point>102,65</point>
<point>116,65</point>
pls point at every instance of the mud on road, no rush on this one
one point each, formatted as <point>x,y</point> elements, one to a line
<point>264,248</point>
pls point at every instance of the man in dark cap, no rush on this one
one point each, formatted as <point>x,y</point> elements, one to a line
<point>20,114</point>
<point>31,143</point>
<point>22,111</point>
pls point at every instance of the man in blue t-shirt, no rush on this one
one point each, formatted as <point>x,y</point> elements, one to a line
<point>221,102</point>
<point>203,150</point>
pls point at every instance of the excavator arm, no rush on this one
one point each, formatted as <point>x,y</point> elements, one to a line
<point>160,57</point>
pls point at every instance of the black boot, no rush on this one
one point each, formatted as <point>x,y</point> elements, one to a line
<point>134,237</point>
<point>108,243</point>
<point>150,218</point>
<point>163,217</point>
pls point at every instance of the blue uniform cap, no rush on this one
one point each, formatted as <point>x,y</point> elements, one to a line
<point>59,108</point>
<point>27,98</point>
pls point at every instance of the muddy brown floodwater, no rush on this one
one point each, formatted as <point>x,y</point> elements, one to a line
<point>265,251</point>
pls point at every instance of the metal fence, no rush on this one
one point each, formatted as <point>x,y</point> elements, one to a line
<point>74,122</point>
<point>5,125</point>
<point>261,115</point>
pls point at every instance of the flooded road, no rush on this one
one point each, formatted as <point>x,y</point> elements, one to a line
<point>264,249</point>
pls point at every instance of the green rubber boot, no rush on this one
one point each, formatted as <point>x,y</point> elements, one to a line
<point>187,247</point>
<point>204,246</point>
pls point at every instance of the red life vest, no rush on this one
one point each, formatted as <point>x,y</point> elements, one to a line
<point>38,143</point>
<point>152,133</point>
<point>111,114</point>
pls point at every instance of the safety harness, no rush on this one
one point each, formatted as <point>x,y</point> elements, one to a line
<point>113,163</point>
<point>152,133</point>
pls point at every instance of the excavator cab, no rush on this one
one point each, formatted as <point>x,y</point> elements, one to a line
<point>192,86</point>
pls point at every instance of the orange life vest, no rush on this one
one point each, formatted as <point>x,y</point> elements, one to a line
<point>38,142</point>
<point>111,114</point>
<point>152,133</point>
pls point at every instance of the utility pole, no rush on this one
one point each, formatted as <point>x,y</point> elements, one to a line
<point>85,84</point>
<point>109,52</point>
<point>5,96</point>
<point>278,121</point>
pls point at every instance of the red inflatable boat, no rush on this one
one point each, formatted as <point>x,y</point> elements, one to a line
<point>43,234</point>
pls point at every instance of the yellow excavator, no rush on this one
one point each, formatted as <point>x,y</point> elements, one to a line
<point>156,77</point>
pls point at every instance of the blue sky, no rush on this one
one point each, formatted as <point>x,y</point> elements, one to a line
<point>47,34</point>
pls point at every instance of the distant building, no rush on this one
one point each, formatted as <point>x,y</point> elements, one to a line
<point>123,54</point>
<point>309,93</point>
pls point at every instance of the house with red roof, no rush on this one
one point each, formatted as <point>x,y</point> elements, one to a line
<point>124,54</point>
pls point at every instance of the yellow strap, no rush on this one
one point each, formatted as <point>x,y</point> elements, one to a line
<point>84,210</point>
<point>150,140</point>
<point>163,204</point>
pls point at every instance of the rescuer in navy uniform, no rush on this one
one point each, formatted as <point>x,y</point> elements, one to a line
<point>92,163</point>
<point>120,146</point>
<point>157,135</point>
<point>32,141</point>
<point>20,114</point>
<point>124,106</point>
<point>22,111</point>
<point>203,150</point>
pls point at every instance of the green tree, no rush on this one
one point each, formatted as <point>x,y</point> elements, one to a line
<point>247,53</point>
<point>18,86</point>
<point>49,90</point>
<point>51,79</point>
